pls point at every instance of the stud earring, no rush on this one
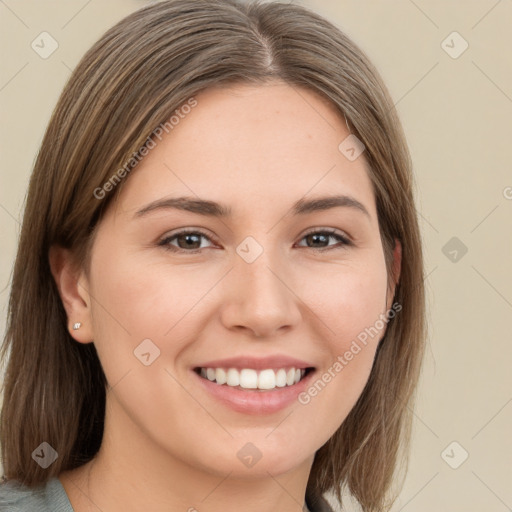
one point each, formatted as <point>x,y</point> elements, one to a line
<point>77,326</point>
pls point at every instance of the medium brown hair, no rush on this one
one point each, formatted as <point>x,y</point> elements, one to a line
<point>128,83</point>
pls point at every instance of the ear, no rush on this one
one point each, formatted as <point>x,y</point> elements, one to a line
<point>73,289</point>
<point>396,268</point>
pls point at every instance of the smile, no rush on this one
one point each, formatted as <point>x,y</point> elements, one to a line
<point>248,378</point>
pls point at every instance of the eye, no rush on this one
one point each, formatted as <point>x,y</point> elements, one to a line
<point>191,240</point>
<point>187,241</point>
<point>322,237</point>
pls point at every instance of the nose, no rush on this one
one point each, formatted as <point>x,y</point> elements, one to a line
<point>260,299</point>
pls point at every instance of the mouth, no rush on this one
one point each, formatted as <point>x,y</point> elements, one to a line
<point>251,379</point>
<point>252,384</point>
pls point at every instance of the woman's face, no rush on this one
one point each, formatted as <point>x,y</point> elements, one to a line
<point>285,279</point>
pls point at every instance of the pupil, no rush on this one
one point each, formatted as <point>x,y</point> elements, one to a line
<point>189,239</point>
<point>318,237</point>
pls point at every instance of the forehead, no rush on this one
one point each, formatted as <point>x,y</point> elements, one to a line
<point>251,147</point>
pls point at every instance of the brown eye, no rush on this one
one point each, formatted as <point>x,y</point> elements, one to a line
<point>320,239</point>
<point>187,241</point>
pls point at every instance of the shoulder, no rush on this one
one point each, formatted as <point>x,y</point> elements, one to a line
<point>49,497</point>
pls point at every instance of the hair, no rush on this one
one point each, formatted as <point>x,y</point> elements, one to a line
<point>131,81</point>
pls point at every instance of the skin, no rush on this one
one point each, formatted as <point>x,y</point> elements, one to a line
<point>168,445</point>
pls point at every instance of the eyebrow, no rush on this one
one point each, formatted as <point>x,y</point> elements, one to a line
<point>214,209</point>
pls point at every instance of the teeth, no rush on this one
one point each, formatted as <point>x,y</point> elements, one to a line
<point>267,379</point>
<point>233,378</point>
<point>281,378</point>
<point>220,376</point>
<point>251,379</point>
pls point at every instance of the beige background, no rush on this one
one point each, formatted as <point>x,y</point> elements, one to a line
<point>457,113</point>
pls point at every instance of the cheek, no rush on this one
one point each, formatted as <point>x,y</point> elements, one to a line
<point>350,300</point>
<point>145,299</point>
<point>134,300</point>
<point>361,304</point>
<point>351,306</point>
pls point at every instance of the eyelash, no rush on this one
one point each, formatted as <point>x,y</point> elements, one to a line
<point>165,243</point>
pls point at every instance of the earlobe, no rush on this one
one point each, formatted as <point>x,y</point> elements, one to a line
<point>73,290</point>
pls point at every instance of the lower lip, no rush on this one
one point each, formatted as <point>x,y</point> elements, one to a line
<point>253,401</point>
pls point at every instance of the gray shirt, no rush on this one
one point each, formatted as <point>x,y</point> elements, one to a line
<point>51,497</point>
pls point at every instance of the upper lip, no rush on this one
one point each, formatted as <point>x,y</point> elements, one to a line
<point>257,363</point>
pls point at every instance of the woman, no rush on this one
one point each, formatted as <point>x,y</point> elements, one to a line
<point>217,301</point>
